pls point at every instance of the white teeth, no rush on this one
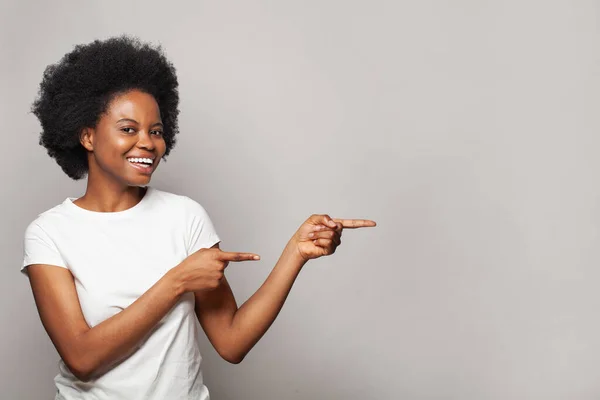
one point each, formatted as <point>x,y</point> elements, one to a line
<point>140,160</point>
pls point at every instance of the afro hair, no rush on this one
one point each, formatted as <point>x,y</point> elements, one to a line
<point>77,91</point>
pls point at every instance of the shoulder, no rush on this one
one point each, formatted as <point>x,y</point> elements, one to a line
<point>40,239</point>
<point>43,222</point>
<point>186,205</point>
<point>174,199</point>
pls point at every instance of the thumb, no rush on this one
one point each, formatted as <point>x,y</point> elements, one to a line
<point>322,219</point>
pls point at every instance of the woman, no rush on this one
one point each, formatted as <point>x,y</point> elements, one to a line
<point>125,277</point>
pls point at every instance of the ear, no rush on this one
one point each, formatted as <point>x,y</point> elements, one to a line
<point>86,138</point>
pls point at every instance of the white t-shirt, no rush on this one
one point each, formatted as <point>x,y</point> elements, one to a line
<point>115,257</point>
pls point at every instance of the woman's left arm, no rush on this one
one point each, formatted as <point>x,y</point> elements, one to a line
<point>234,331</point>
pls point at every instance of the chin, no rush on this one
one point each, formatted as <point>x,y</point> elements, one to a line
<point>138,180</point>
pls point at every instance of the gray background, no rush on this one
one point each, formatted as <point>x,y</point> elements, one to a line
<point>467,129</point>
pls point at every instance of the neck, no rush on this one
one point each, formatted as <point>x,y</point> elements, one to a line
<point>104,198</point>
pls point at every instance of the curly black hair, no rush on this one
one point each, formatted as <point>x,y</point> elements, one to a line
<point>76,92</point>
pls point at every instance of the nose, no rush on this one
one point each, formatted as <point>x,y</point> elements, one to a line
<point>145,140</point>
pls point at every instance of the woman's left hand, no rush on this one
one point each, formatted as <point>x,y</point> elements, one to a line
<point>320,235</point>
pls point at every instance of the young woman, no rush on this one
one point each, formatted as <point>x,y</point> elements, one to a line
<point>125,277</point>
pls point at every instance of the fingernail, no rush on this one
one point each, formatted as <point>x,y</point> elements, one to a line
<point>257,257</point>
<point>311,234</point>
<point>332,223</point>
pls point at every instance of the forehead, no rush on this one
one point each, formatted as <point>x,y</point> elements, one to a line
<point>133,104</point>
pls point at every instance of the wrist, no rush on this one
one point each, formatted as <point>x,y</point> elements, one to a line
<point>292,252</point>
<point>174,281</point>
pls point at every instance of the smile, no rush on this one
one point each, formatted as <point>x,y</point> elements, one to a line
<point>144,165</point>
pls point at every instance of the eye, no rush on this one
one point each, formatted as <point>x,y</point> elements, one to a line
<point>158,132</point>
<point>126,130</point>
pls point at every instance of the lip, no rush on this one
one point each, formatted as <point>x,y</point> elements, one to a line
<point>147,170</point>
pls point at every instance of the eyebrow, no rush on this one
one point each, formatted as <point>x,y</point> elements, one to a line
<point>133,120</point>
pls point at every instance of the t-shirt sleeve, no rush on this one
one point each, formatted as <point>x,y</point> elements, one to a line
<point>201,232</point>
<point>39,248</point>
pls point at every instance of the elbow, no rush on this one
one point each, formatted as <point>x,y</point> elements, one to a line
<point>83,377</point>
<point>81,368</point>
<point>80,371</point>
<point>82,361</point>
<point>232,357</point>
<point>235,359</point>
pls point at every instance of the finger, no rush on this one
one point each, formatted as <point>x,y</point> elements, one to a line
<point>318,228</point>
<point>337,239</point>
<point>335,236</point>
<point>355,223</point>
<point>322,242</point>
<point>330,234</point>
<point>339,228</point>
<point>324,220</point>
<point>235,256</point>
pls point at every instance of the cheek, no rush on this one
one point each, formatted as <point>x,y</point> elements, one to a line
<point>112,152</point>
<point>161,147</point>
<point>122,145</point>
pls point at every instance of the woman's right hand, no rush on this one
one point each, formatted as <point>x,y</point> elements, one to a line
<point>204,269</point>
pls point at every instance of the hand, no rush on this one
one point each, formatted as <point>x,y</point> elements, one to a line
<point>204,269</point>
<point>320,235</point>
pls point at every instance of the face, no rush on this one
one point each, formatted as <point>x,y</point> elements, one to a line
<point>127,144</point>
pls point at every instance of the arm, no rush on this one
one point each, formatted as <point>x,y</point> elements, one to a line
<point>86,350</point>
<point>232,331</point>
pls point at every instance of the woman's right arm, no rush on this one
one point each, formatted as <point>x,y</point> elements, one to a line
<point>88,350</point>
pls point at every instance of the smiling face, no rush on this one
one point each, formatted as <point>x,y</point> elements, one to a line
<point>127,143</point>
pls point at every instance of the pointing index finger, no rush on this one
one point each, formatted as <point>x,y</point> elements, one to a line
<point>236,256</point>
<point>355,223</point>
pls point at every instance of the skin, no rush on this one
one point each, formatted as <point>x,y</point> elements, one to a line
<point>114,185</point>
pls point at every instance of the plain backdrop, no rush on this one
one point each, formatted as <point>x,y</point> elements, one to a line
<point>469,130</point>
